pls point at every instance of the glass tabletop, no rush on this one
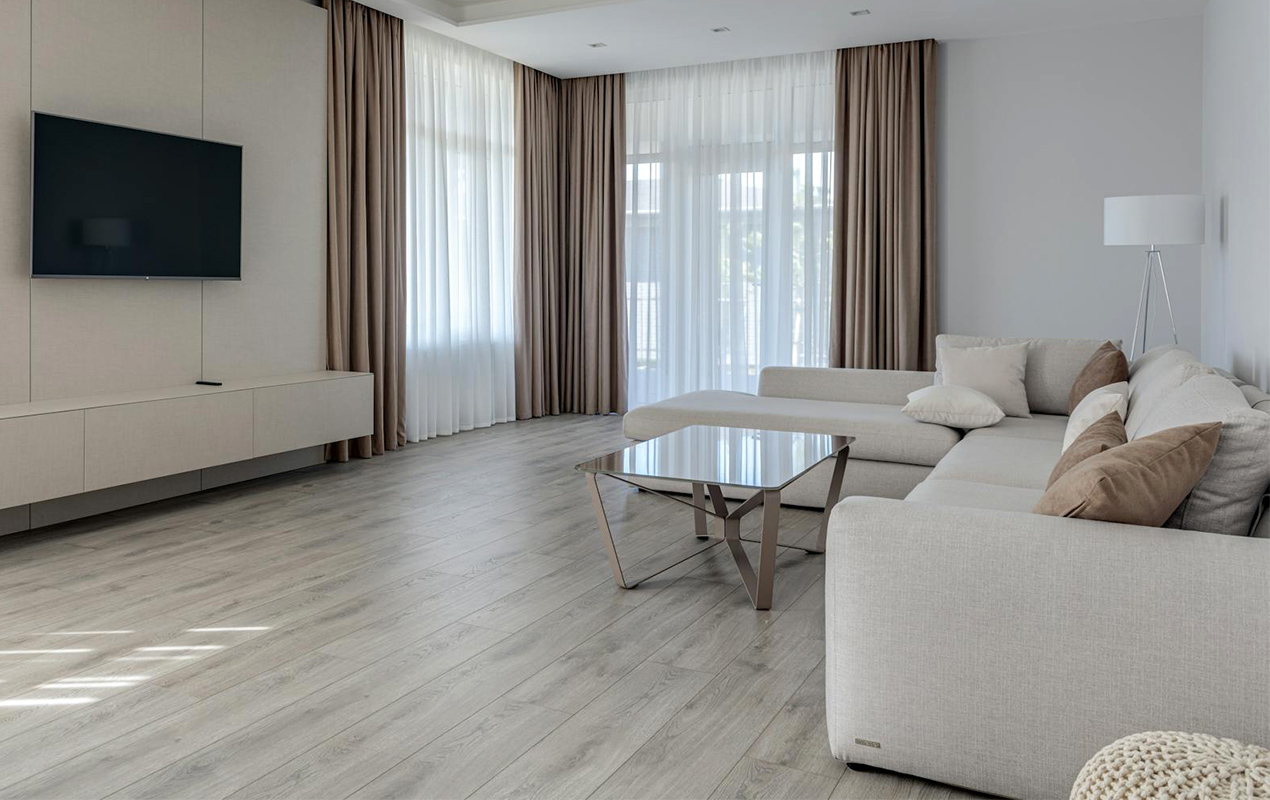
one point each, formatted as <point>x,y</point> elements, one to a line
<point>742,457</point>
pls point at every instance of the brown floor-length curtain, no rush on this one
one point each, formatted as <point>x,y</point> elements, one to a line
<point>593,348</point>
<point>570,227</point>
<point>538,241</point>
<point>884,294</point>
<point>366,234</point>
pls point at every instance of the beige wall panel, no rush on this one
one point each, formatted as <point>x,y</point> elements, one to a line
<point>302,414</point>
<point>139,441</point>
<point>15,190</point>
<point>126,62</point>
<point>93,337</point>
<point>265,88</point>
<point>44,457</point>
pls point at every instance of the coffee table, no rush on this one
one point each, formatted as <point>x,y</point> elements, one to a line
<point>710,458</point>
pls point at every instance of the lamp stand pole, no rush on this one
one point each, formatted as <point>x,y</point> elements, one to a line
<point>1154,260</point>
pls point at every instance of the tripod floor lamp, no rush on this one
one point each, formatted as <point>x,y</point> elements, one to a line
<point>1148,221</point>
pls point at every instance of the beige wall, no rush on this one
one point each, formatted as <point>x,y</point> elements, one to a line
<point>251,72</point>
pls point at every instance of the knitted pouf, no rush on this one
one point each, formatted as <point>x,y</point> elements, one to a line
<point>1167,764</point>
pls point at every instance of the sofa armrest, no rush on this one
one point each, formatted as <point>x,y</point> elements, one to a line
<point>1000,650</point>
<point>844,385</point>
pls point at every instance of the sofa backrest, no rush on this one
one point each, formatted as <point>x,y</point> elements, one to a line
<point>1169,386</point>
<point>886,386</point>
<point>1152,376</point>
<point>1052,365</point>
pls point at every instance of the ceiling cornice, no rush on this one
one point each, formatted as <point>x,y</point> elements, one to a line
<point>475,12</point>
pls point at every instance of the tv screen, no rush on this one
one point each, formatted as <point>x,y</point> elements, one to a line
<point>112,202</point>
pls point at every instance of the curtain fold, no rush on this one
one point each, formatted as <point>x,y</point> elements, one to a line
<point>366,272</point>
<point>539,238</point>
<point>460,333</point>
<point>570,221</point>
<point>884,295</point>
<point>593,346</point>
<point>728,222</point>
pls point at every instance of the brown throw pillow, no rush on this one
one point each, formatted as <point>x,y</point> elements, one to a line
<point>1106,366</point>
<point>1104,434</point>
<point>1140,483</point>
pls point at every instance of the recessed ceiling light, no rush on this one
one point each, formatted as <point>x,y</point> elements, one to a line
<point>597,44</point>
<point>863,12</point>
<point>721,30</point>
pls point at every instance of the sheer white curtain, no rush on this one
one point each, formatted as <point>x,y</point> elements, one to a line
<point>460,118</point>
<point>729,220</point>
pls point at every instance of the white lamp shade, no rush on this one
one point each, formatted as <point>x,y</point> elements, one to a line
<point>1148,219</point>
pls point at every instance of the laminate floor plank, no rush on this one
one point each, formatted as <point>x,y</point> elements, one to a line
<point>469,754</point>
<point>751,779</point>
<point>125,759</point>
<point>436,622</point>
<point>693,752</point>
<point>797,737</point>
<point>578,756</point>
<point>252,751</point>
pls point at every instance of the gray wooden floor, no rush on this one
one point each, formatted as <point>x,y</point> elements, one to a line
<point>439,622</point>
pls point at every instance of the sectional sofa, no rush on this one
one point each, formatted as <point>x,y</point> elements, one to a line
<point>972,642</point>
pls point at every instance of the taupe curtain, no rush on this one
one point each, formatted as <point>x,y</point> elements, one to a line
<point>594,187</point>
<point>884,293</point>
<point>571,219</point>
<point>366,233</point>
<point>538,243</point>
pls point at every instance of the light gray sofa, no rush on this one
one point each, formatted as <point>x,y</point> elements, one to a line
<point>971,642</point>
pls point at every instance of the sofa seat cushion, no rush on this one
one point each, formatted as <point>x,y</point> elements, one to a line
<point>883,432</point>
<point>1046,427</point>
<point>1000,460</point>
<point>972,494</point>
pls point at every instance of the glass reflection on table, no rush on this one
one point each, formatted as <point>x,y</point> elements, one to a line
<point>743,457</point>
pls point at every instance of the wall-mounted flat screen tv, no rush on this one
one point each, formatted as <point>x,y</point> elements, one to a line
<point>112,202</point>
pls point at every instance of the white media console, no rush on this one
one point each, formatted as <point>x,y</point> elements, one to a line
<point>60,448</point>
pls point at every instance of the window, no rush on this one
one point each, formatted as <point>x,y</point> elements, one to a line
<point>460,151</point>
<point>728,223</point>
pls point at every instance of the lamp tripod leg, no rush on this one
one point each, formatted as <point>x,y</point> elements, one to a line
<point>1159,259</point>
<point>1142,301</point>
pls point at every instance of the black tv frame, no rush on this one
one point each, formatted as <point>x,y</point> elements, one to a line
<point>31,205</point>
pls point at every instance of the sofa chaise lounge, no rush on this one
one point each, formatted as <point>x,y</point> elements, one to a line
<point>972,642</point>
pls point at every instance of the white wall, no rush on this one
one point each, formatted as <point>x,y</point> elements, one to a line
<point>251,72</point>
<point>1236,274</point>
<point>1035,131</point>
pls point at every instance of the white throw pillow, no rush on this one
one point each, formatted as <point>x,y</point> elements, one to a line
<point>998,372</point>
<point>954,406</point>
<point>1096,405</point>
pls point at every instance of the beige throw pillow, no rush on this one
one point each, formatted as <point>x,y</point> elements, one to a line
<point>954,406</point>
<point>1139,483</point>
<point>998,372</point>
<point>1225,499</point>
<point>1096,405</point>
<point>1106,366</point>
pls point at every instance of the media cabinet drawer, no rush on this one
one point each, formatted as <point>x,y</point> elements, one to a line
<point>45,457</point>
<point>296,415</point>
<point>139,441</point>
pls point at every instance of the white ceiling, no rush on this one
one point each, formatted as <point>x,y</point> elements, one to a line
<point>553,35</point>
